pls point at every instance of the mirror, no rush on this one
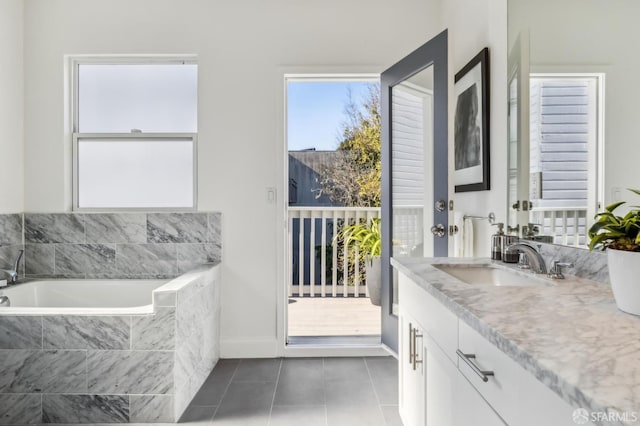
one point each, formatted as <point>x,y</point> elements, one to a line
<point>572,113</point>
<point>414,109</point>
<point>411,165</point>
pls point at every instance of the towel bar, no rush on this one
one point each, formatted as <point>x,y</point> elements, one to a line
<point>491,217</point>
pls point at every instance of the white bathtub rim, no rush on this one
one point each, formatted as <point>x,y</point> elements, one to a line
<point>94,312</point>
<point>172,286</point>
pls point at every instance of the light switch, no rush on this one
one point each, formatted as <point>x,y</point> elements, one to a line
<point>271,195</point>
<point>616,194</point>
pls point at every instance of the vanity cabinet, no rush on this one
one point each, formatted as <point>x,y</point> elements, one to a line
<point>441,365</point>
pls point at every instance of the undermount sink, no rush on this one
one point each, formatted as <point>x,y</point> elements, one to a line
<point>489,275</point>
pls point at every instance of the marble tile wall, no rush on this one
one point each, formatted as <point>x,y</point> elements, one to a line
<point>112,369</point>
<point>119,245</point>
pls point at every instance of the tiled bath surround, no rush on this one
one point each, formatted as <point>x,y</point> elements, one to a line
<point>114,245</point>
<point>120,368</point>
<point>112,369</point>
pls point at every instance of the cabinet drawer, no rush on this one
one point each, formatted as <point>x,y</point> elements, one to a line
<point>501,389</point>
<point>438,321</point>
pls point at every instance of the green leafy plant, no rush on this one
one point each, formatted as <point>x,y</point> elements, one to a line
<point>365,236</point>
<point>616,232</point>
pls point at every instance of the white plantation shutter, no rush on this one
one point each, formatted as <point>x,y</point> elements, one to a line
<point>407,127</point>
<point>560,137</point>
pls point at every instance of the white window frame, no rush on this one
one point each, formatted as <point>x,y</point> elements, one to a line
<point>75,62</point>
<point>595,189</point>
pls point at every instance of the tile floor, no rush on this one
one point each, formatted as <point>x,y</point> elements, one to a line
<point>299,392</point>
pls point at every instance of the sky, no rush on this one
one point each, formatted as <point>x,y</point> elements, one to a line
<point>316,112</point>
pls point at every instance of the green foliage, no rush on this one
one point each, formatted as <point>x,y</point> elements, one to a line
<point>365,236</point>
<point>616,232</point>
<point>354,179</point>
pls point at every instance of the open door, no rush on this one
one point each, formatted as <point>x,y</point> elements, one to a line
<point>414,107</point>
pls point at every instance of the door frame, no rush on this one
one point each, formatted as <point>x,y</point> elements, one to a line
<point>432,53</point>
<point>284,74</point>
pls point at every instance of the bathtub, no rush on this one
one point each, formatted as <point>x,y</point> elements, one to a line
<point>88,297</point>
<point>107,351</point>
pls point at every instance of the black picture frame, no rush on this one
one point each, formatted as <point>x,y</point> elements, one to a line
<point>471,125</point>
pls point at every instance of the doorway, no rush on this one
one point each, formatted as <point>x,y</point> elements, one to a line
<point>333,175</point>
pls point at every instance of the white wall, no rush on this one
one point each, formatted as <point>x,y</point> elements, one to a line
<point>474,25</point>
<point>243,49</point>
<point>11,106</point>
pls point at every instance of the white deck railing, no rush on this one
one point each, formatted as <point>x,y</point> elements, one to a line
<point>313,259</point>
<point>567,226</point>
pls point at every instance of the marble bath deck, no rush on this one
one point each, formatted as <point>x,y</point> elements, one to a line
<point>569,335</point>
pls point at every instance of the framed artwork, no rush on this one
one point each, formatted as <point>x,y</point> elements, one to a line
<point>471,125</point>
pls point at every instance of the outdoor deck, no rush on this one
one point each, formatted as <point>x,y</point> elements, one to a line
<point>333,316</point>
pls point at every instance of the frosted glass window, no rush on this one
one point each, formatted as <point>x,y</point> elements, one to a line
<point>129,173</point>
<point>116,98</point>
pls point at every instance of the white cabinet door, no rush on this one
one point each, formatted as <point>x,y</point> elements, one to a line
<point>441,381</point>
<point>470,408</point>
<point>412,382</point>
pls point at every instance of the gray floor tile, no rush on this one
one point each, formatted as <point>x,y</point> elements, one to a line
<point>382,365</point>
<point>384,375</point>
<point>297,368</point>
<point>391,415</point>
<point>348,392</point>
<point>258,370</point>
<point>198,416</point>
<point>345,369</point>
<point>303,415</point>
<point>300,390</point>
<point>216,384</point>
<point>355,415</point>
<point>247,402</point>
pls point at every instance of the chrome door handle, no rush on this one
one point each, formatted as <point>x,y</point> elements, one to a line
<point>467,359</point>
<point>438,230</point>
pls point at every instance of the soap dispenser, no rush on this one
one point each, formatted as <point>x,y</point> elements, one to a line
<point>497,242</point>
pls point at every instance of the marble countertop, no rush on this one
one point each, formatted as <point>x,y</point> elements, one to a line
<point>569,335</point>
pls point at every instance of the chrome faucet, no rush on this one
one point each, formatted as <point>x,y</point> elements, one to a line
<point>13,273</point>
<point>533,256</point>
<point>556,269</point>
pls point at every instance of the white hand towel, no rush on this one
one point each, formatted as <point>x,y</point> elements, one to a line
<point>458,244</point>
<point>467,238</point>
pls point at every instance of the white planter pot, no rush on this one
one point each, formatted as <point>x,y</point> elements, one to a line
<point>624,273</point>
<point>373,269</point>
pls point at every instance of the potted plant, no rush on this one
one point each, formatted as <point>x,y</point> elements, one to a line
<point>620,236</point>
<point>367,238</point>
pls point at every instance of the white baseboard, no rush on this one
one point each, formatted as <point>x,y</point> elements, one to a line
<point>249,348</point>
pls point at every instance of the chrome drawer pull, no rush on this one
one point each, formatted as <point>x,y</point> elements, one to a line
<point>416,360</point>
<point>411,341</point>
<point>467,358</point>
